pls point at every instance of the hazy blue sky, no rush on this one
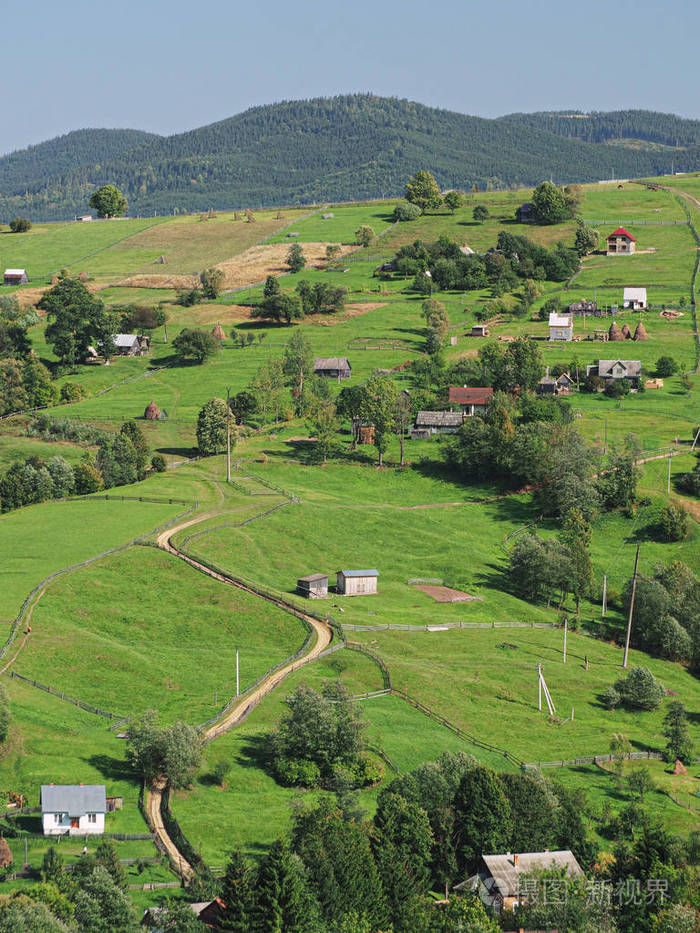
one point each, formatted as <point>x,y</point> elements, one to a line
<point>171,66</point>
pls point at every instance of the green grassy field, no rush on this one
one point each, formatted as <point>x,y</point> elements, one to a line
<point>341,227</point>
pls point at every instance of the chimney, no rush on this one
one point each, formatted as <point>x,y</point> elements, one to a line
<point>546,850</point>
<point>51,784</point>
<point>515,861</point>
<point>81,784</point>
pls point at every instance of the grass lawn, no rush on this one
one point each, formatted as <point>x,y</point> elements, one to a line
<point>144,617</point>
<point>341,227</point>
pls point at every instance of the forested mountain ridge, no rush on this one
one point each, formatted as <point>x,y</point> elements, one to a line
<point>90,147</point>
<point>597,127</point>
<point>341,148</point>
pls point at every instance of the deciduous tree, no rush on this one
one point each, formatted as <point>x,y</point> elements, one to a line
<point>424,191</point>
<point>211,427</point>
<point>108,201</point>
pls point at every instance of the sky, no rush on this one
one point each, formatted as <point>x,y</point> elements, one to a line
<point>171,66</point>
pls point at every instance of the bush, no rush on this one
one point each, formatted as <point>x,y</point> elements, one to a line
<point>640,689</point>
<point>405,212</point>
<point>158,464</point>
<point>673,523</point>
<point>611,698</point>
<point>297,772</point>
<point>20,225</point>
<point>73,392</point>
<point>220,770</point>
<point>616,388</point>
<point>666,366</point>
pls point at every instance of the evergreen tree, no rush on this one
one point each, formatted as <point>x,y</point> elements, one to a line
<point>576,536</point>
<point>131,430</point>
<point>680,744</point>
<point>237,893</point>
<point>284,902</point>
<point>107,857</point>
<point>295,258</point>
<point>483,820</point>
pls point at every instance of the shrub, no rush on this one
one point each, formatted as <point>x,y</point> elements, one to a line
<point>640,689</point>
<point>666,366</point>
<point>673,523</point>
<point>616,388</point>
<point>20,225</point>
<point>73,392</point>
<point>158,464</point>
<point>611,698</point>
<point>220,770</point>
<point>405,212</point>
<point>297,772</point>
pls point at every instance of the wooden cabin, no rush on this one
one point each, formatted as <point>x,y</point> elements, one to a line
<point>561,326</point>
<point>356,582</point>
<point>15,277</point>
<point>332,367</point>
<point>437,422</point>
<point>479,330</point>
<point>315,586</point>
<point>634,299</point>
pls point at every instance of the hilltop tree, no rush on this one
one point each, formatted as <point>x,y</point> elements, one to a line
<point>424,191</point>
<point>108,201</point>
<point>195,344</point>
<point>211,427</point>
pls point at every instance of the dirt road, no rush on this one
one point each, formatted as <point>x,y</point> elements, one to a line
<point>239,710</point>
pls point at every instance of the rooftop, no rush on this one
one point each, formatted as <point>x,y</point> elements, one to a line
<point>73,799</point>
<point>331,362</point>
<point>439,418</point>
<point>621,232</point>
<point>359,573</point>
<point>506,869</point>
<point>471,395</point>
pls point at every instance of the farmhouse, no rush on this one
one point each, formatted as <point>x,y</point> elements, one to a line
<point>333,367</point>
<point>610,370</point>
<point>635,299</point>
<point>127,344</point>
<point>479,330</point>
<point>620,242</point>
<point>438,422</point>
<point>561,326</point>
<point>73,809</point>
<point>315,586</point>
<point>356,582</point>
<point>498,879</point>
<point>471,400</point>
<point>555,386</point>
<point>16,277</point>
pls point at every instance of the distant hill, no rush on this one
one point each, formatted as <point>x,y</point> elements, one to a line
<point>340,148</point>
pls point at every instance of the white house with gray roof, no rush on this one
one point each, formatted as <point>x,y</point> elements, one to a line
<point>499,879</point>
<point>73,809</point>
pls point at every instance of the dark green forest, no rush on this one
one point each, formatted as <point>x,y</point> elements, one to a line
<point>596,127</point>
<point>341,148</point>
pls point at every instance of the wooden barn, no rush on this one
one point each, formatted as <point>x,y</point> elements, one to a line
<point>620,243</point>
<point>356,582</point>
<point>561,326</point>
<point>332,367</point>
<point>479,330</point>
<point>15,277</point>
<point>315,586</point>
<point>611,370</point>
<point>437,422</point>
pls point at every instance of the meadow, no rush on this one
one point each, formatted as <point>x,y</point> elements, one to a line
<point>341,227</point>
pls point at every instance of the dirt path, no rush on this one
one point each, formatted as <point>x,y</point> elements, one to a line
<point>238,711</point>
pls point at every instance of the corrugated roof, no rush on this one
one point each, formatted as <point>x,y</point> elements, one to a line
<point>313,577</point>
<point>14,272</point>
<point>633,367</point>
<point>559,320</point>
<point>621,232</point>
<point>634,294</point>
<point>506,873</point>
<point>471,395</point>
<point>331,362</point>
<point>125,340</point>
<point>73,799</point>
<point>359,573</point>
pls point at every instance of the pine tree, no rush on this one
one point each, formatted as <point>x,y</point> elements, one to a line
<point>284,903</point>
<point>483,818</point>
<point>680,744</point>
<point>237,895</point>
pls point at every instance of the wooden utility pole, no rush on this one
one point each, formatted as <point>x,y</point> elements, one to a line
<point>566,629</point>
<point>238,692</point>
<point>228,434</point>
<point>604,607</point>
<point>629,620</point>
<point>668,483</point>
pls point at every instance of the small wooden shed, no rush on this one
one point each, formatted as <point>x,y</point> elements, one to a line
<point>15,277</point>
<point>479,330</point>
<point>332,367</point>
<point>315,586</point>
<point>356,582</point>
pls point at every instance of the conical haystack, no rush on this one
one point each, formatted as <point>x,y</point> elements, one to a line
<point>640,332</point>
<point>5,854</point>
<point>626,332</point>
<point>218,332</point>
<point>152,412</point>
<point>615,333</point>
<point>678,768</point>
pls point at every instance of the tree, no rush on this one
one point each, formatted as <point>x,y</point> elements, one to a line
<point>531,802</point>
<point>423,191</point>
<point>550,204</point>
<point>480,213</point>
<point>483,818</point>
<point>349,405</point>
<point>116,460</point>
<point>238,895</point>
<point>586,239</point>
<point>640,689</point>
<point>88,478</point>
<point>158,463</point>
<point>673,523</point>
<point>379,409</point>
<point>211,427</point>
<point>195,344</point>
<point>177,917</point>
<point>242,405</point>
<point>37,385</point>
<point>77,320</point>
<point>295,258</point>
<point>402,419</point>
<point>435,315</point>
<point>332,251</point>
<point>284,902</point>
<point>5,717</point>
<point>101,907</point>
<point>666,366</point>
<point>323,424</point>
<point>62,477</point>
<point>640,782</point>
<point>422,283</point>
<point>364,235</point>
<point>297,362</point>
<point>108,201</point>
<point>267,388</point>
<point>212,282</point>
<point>576,536</point>
<point>20,225</point>
<point>174,751</point>
<point>680,745</point>
<point>131,430</point>
<point>14,341</point>
<point>406,212</point>
<point>106,856</point>
<point>620,746</point>
<point>23,915</point>
<point>454,200</point>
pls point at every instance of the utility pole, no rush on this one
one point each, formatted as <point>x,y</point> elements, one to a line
<point>165,328</point>
<point>539,687</point>
<point>629,620</point>
<point>604,607</point>
<point>228,434</point>
<point>238,693</point>
<point>566,629</point>
<point>605,445</point>
<point>668,482</point>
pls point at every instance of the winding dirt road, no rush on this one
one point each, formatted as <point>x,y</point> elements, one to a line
<point>237,711</point>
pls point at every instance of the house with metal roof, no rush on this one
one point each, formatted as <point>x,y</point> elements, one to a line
<point>127,344</point>
<point>73,809</point>
<point>635,299</point>
<point>356,582</point>
<point>620,242</point>
<point>15,277</point>
<point>332,367</point>
<point>561,326</point>
<point>499,879</point>
<point>471,400</point>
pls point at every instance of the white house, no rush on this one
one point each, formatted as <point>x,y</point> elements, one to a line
<point>73,809</point>
<point>561,326</point>
<point>356,582</point>
<point>635,299</point>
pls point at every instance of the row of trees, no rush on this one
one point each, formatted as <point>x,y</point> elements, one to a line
<point>282,307</point>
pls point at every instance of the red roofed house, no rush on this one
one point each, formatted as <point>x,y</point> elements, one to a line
<point>471,400</point>
<point>620,242</point>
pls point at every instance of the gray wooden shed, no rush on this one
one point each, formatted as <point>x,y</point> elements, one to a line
<point>356,582</point>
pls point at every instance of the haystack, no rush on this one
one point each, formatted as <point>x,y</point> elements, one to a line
<point>218,332</point>
<point>152,412</point>
<point>161,260</point>
<point>640,332</point>
<point>5,854</point>
<point>626,332</point>
<point>615,333</point>
<point>678,768</point>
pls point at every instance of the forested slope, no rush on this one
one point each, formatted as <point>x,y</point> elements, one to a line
<point>341,148</point>
<point>595,127</point>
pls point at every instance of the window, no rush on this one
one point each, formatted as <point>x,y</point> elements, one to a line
<point>92,817</point>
